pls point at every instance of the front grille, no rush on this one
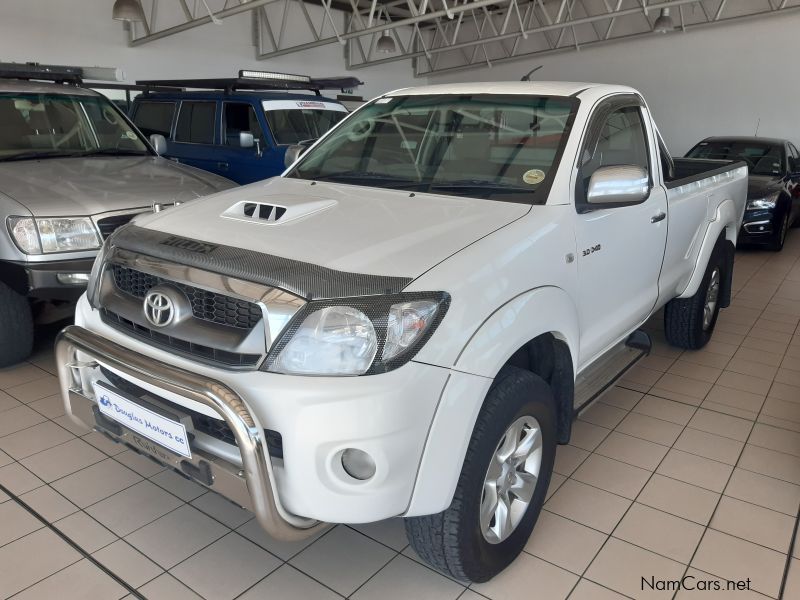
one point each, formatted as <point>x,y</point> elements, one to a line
<point>109,225</point>
<point>215,428</point>
<point>196,351</point>
<point>208,306</point>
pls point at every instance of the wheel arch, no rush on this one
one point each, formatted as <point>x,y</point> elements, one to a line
<point>516,334</point>
<point>723,229</point>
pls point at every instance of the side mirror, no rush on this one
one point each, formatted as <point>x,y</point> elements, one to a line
<point>293,152</point>
<point>159,143</point>
<point>622,184</point>
<point>246,139</point>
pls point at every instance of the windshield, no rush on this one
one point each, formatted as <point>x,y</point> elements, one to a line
<point>480,146</point>
<point>761,158</point>
<point>57,125</point>
<point>293,125</point>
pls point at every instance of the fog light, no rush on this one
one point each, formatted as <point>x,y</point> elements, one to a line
<point>358,464</point>
<point>73,278</point>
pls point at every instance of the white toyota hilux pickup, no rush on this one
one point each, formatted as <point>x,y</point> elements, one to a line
<point>407,322</point>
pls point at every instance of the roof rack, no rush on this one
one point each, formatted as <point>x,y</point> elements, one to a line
<point>258,80</point>
<point>59,73</point>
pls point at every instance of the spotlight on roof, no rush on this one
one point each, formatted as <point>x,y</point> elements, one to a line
<point>386,44</point>
<point>127,10</point>
<point>664,22</point>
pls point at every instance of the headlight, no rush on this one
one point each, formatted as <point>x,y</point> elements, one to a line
<point>23,230</point>
<point>357,336</point>
<point>763,203</point>
<point>53,234</point>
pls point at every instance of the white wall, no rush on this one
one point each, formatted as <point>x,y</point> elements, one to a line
<point>81,32</point>
<point>713,81</point>
<point>718,80</point>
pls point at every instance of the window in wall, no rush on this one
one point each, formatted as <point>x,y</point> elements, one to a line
<point>196,122</point>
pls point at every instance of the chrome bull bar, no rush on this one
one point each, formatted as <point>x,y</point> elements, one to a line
<point>257,468</point>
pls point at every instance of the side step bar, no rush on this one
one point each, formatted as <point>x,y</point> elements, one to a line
<point>601,375</point>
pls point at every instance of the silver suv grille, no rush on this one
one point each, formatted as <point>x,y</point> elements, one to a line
<point>206,305</point>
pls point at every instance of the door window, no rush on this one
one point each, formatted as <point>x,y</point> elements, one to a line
<point>240,117</point>
<point>196,122</point>
<point>154,117</point>
<point>621,141</point>
<point>794,159</point>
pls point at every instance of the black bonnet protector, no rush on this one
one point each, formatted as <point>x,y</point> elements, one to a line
<point>306,280</point>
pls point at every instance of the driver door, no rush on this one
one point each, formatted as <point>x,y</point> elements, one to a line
<point>620,249</point>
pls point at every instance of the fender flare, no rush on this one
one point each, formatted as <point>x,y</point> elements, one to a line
<point>489,348</point>
<point>549,308</point>
<point>725,224</point>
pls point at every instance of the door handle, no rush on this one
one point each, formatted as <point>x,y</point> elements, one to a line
<point>223,166</point>
<point>659,216</point>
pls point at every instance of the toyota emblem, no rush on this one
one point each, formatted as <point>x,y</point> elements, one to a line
<point>159,309</point>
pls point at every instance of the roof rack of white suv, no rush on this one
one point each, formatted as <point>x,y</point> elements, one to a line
<point>59,73</point>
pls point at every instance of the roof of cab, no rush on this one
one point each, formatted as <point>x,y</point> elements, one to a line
<point>234,95</point>
<point>540,88</point>
<point>41,87</point>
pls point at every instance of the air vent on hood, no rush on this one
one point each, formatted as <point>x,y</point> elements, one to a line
<point>265,213</point>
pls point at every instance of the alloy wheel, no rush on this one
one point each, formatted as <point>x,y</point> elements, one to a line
<point>511,479</point>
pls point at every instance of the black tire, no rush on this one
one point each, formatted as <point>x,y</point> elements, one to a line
<point>16,327</point>
<point>683,317</point>
<point>452,541</point>
<point>776,245</point>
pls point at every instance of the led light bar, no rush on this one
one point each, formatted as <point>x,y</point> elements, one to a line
<point>270,76</point>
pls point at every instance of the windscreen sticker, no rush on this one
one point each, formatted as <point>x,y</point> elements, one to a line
<point>310,104</point>
<point>130,135</point>
<point>533,176</point>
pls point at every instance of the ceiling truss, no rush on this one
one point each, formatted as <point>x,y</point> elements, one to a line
<point>445,35</point>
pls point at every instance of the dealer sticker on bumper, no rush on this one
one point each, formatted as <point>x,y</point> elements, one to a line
<point>163,431</point>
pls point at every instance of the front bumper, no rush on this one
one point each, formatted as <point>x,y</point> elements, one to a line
<point>253,486</point>
<point>388,416</point>
<point>758,226</point>
<point>50,280</point>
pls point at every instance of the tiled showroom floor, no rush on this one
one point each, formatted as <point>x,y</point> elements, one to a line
<point>691,465</point>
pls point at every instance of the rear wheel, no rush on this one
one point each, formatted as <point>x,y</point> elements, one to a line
<point>689,322</point>
<point>16,327</point>
<point>502,486</point>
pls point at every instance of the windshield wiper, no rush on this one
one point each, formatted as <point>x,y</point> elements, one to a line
<point>371,176</point>
<point>113,152</point>
<point>37,154</point>
<point>487,187</point>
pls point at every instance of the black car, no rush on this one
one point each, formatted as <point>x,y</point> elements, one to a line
<point>773,194</point>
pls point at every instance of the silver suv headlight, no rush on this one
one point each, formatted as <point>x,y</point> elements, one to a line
<point>47,235</point>
<point>357,336</point>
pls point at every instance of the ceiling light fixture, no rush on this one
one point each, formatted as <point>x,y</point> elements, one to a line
<point>386,44</point>
<point>127,10</point>
<point>664,22</point>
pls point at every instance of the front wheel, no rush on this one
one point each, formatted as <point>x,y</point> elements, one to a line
<point>780,236</point>
<point>689,322</point>
<point>502,486</point>
<point>16,327</point>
